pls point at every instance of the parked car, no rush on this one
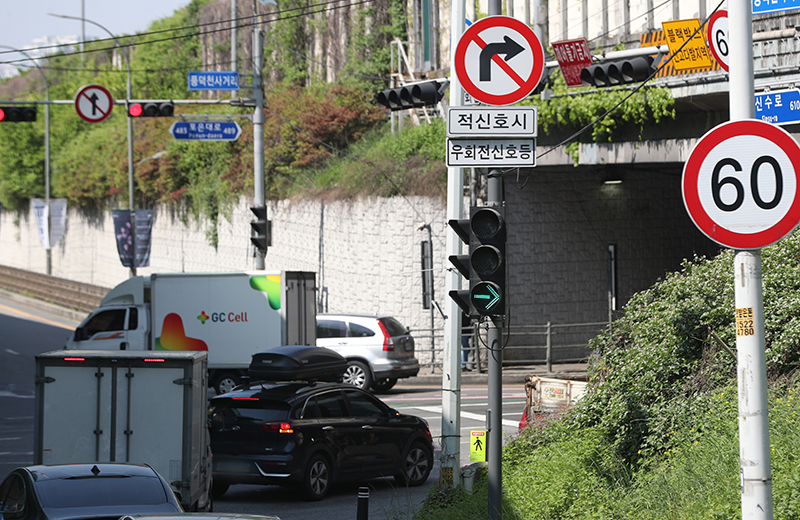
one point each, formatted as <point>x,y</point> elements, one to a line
<point>80,491</point>
<point>311,435</point>
<point>379,350</point>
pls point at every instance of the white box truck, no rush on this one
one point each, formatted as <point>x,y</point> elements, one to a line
<point>137,407</point>
<point>229,315</point>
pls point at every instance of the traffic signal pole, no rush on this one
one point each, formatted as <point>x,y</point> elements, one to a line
<point>451,363</point>
<point>258,128</point>
<point>754,445</point>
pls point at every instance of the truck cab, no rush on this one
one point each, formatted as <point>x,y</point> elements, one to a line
<point>122,322</point>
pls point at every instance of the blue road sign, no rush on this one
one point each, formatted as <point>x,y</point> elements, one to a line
<point>779,107</point>
<point>213,80</point>
<point>205,130</point>
<point>773,6</point>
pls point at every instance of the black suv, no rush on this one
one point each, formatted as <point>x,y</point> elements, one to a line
<point>310,435</point>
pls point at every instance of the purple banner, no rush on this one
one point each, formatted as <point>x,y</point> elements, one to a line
<point>124,236</point>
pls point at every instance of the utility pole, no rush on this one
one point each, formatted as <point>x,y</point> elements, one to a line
<point>754,445</point>
<point>258,125</point>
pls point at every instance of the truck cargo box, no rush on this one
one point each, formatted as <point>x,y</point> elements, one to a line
<point>297,363</point>
<point>126,406</point>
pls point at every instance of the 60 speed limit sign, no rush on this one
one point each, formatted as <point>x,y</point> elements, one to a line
<point>740,184</point>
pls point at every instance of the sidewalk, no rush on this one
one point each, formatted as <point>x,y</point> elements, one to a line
<point>511,375</point>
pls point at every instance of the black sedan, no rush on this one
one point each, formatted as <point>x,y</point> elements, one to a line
<point>84,491</point>
<point>311,435</point>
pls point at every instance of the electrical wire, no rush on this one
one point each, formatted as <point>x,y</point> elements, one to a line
<point>634,90</point>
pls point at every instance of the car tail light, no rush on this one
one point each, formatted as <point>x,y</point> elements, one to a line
<point>277,427</point>
<point>388,342</point>
<point>427,430</point>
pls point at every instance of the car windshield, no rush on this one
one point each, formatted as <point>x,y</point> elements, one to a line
<point>393,327</point>
<point>100,491</point>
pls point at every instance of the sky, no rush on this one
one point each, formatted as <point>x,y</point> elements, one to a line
<point>27,20</point>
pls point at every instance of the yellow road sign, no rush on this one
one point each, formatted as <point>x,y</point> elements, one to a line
<point>695,53</point>
<point>477,446</point>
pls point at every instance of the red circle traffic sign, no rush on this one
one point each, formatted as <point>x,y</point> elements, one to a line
<point>740,184</point>
<point>488,77</point>
<point>718,37</point>
<point>93,103</point>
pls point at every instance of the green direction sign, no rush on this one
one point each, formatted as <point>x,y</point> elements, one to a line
<point>487,298</point>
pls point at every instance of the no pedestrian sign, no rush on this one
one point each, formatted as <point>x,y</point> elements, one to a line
<point>740,184</point>
<point>499,60</point>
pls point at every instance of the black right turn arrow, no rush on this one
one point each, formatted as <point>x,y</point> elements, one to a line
<point>510,48</point>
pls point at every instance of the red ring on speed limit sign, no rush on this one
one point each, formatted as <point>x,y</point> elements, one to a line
<point>740,184</point>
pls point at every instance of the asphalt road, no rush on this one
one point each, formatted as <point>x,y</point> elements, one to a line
<point>26,331</point>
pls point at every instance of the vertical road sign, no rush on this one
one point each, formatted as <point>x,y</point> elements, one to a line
<point>499,60</point>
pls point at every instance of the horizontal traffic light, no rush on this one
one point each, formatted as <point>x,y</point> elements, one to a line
<point>417,95</point>
<point>151,108</point>
<point>617,72</point>
<point>17,114</point>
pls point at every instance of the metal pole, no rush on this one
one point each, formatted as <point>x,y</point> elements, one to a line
<point>451,362</point>
<point>130,133</point>
<point>494,197</point>
<point>362,513</point>
<point>234,42</point>
<point>48,255</point>
<point>258,128</point>
<point>754,448</point>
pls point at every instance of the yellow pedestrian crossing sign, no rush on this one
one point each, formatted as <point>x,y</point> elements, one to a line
<point>477,446</point>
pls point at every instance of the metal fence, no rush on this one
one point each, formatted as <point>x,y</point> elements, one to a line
<point>522,344</point>
<point>60,291</point>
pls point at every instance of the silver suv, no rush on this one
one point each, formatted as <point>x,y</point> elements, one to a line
<point>378,350</point>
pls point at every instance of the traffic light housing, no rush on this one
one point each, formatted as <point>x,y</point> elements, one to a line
<point>461,262</point>
<point>417,95</point>
<point>487,259</point>
<point>617,72</point>
<point>150,108</point>
<point>17,114</point>
<point>261,228</point>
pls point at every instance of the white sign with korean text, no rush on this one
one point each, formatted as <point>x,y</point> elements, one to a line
<point>491,152</point>
<point>491,122</point>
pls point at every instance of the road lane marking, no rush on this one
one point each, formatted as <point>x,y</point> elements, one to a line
<point>37,317</point>
<point>465,415</point>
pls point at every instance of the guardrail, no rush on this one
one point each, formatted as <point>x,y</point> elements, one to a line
<point>60,291</point>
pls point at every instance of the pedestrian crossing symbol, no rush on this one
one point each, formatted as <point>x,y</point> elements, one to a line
<point>477,446</point>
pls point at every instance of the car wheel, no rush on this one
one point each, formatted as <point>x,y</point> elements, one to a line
<point>317,478</point>
<point>226,382</point>
<point>384,385</point>
<point>219,488</point>
<point>417,465</point>
<point>358,374</point>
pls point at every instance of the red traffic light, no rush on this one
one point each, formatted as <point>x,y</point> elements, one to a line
<point>2,114</point>
<point>135,109</point>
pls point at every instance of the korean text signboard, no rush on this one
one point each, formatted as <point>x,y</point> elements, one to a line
<point>573,56</point>
<point>491,152</point>
<point>492,122</point>
<point>695,53</point>
<point>214,80</point>
<point>773,6</point>
<point>779,107</point>
<point>205,130</point>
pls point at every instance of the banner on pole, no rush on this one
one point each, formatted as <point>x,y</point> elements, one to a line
<point>124,237</point>
<point>57,213</point>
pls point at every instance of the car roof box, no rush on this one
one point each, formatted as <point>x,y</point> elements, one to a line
<point>297,363</point>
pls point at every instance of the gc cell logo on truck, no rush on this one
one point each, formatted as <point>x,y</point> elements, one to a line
<point>222,317</point>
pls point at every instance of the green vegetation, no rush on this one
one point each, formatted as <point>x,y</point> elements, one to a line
<point>321,139</point>
<point>656,437</point>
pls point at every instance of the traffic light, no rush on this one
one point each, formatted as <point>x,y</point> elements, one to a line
<point>487,259</point>
<point>17,114</point>
<point>617,72</point>
<point>261,228</point>
<point>461,262</point>
<point>418,95</point>
<point>150,108</point>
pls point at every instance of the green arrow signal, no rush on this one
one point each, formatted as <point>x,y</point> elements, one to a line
<point>493,296</point>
